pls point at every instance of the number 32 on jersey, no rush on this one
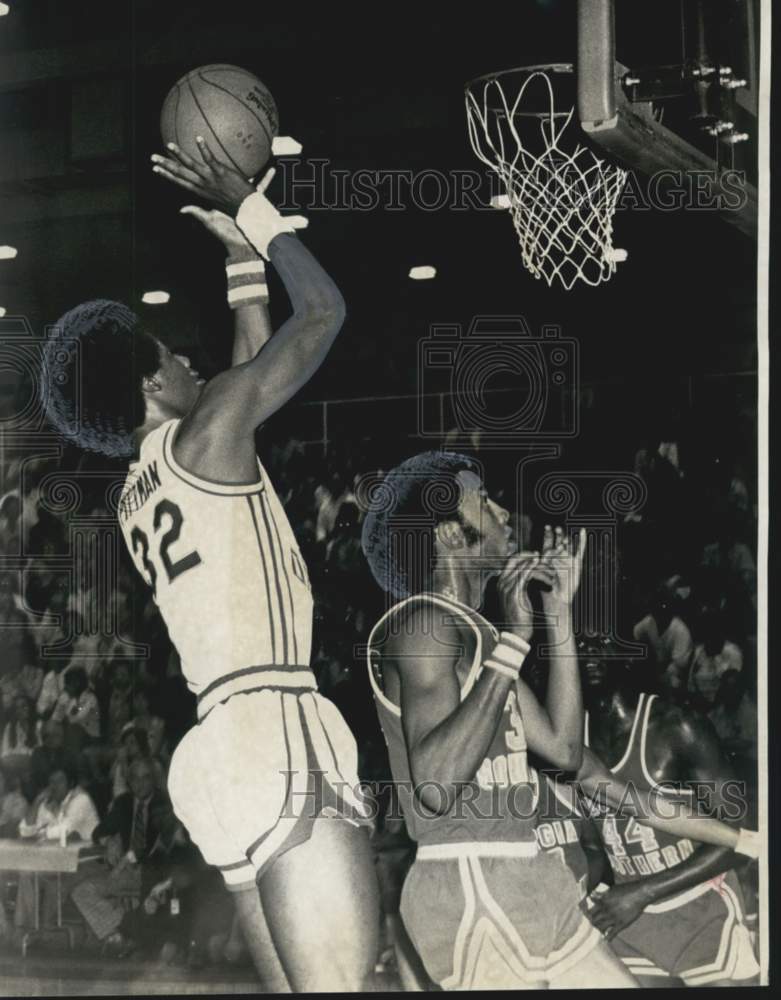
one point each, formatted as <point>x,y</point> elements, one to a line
<point>168,521</point>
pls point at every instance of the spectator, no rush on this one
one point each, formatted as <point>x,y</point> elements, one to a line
<point>31,675</point>
<point>52,688</point>
<point>51,752</point>
<point>329,498</point>
<point>20,737</point>
<point>152,724</point>
<point>10,510</point>
<point>133,746</point>
<point>61,810</point>
<point>712,658</point>
<point>62,804</point>
<point>13,805</point>
<point>199,920</point>
<point>14,642</point>
<point>139,827</point>
<point>77,706</point>
<point>669,642</point>
<point>120,704</point>
<point>734,716</point>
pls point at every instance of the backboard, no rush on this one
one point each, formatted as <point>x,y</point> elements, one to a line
<point>670,90</point>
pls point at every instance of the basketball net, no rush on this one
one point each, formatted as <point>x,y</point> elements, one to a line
<point>562,202</point>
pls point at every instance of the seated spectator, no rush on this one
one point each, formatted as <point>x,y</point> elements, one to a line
<point>10,511</point>
<point>712,658</point>
<point>63,804</point>
<point>13,806</point>
<point>20,737</point>
<point>187,910</point>
<point>31,675</point>
<point>52,751</point>
<point>139,828</point>
<point>62,811</point>
<point>734,716</point>
<point>152,724</point>
<point>329,498</point>
<point>78,707</point>
<point>133,746</point>
<point>120,703</point>
<point>669,642</point>
<point>13,628</point>
<point>52,686</point>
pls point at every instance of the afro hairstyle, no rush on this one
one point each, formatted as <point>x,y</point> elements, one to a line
<point>90,384</point>
<point>404,510</point>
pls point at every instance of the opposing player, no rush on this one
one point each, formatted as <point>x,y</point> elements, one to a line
<point>484,906</point>
<point>488,901</point>
<point>265,782</point>
<point>676,908</point>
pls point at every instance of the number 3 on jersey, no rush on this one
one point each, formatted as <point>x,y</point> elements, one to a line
<point>173,568</point>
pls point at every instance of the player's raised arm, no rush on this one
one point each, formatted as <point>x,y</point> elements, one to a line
<point>447,738</point>
<point>555,731</point>
<point>239,400</point>
<point>246,274</point>
<point>686,820</point>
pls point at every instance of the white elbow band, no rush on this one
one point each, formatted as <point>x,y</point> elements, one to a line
<point>246,274</point>
<point>748,843</point>
<point>260,222</point>
<point>508,655</point>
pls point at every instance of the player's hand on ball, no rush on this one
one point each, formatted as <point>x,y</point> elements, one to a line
<point>219,224</point>
<point>511,586</point>
<point>560,568</point>
<point>211,180</point>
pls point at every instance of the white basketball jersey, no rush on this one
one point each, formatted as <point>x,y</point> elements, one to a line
<point>223,564</point>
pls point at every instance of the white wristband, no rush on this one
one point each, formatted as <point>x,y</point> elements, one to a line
<point>508,655</point>
<point>260,222</point>
<point>748,843</point>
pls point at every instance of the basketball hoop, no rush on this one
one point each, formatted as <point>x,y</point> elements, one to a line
<point>562,199</point>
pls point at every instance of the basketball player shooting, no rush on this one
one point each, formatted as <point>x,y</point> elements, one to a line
<point>265,782</point>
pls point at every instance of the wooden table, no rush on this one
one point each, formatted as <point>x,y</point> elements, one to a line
<point>45,857</point>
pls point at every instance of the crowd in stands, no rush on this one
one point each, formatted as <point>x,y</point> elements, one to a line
<point>87,727</point>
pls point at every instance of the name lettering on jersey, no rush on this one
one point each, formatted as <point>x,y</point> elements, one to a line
<point>138,492</point>
<point>511,768</point>
<point>650,858</point>
<point>557,833</point>
<point>503,771</point>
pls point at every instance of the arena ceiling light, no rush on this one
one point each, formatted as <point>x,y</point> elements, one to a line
<point>2,310</point>
<point>4,9</point>
<point>424,273</point>
<point>8,253</point>
<point>155,298</point>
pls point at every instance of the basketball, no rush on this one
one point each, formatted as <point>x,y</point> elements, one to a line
<point>233,111</point>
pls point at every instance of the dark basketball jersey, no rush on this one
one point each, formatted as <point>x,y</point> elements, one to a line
<point>633,849</point>
<point>500,803</point>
